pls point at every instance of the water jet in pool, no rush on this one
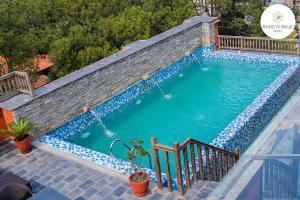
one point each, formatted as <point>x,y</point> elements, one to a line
<point>107,132</point>
<point>164,95</point>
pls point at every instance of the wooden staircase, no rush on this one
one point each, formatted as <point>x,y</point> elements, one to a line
<point>201,162</point>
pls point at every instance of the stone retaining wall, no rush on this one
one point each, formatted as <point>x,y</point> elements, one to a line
<point>58,102</point>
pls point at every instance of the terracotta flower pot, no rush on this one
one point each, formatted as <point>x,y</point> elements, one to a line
<point>139,189</point>
<point>24,145</point>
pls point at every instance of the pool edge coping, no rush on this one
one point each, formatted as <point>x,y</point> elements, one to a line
<point>77,159</point>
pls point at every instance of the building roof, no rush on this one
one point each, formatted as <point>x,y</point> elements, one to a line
<point>41,80</point>
<point>43,62</point>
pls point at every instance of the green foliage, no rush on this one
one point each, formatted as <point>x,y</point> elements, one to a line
<point>99,28</point>
<point>238,17</point>
<point>19,129</point>
<point>26,28</point>
<point>133,156</point>
<point>78,33</point>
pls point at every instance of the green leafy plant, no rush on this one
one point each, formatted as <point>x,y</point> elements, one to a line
<point>19,130</point>
<point>133,156</point>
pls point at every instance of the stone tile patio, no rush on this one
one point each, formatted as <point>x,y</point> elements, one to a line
<point>77,181</point>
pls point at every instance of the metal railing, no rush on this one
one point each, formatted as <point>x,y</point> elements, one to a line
<point>278,180</point>
<point>14,83</point>
<point>258,44</point>
<point>212,162</point>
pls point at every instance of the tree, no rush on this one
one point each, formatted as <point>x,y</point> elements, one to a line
<point>15,45</point>
<point>98,28</point>
<point>25,31</point>
<point>77,33</point>
<point>238,17</point>
<point>78,49</point>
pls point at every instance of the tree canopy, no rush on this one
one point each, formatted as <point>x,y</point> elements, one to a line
<point>238,17</point>
<point>75,33</point>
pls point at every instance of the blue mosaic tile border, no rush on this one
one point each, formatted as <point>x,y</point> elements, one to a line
<point>245,128</point>
<point>249,57</point>
<point>240,133</point>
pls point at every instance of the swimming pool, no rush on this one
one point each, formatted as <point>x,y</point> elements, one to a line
<point>197,100</point>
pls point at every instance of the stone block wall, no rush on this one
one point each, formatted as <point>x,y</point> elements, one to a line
<point>58,102</point>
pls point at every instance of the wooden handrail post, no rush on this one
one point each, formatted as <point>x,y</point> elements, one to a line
<point>237,151</point>
<point>220,165</point>
<point>156,163</point>
<point>178,168</point>
<point>168,172</point>
<point>200,161</point>
<point>207,164</point>
<point>214,165</point>
<point>186,166</point>
<point>192,149</point>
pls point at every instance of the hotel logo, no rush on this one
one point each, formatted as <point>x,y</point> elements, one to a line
<point>278,21</point>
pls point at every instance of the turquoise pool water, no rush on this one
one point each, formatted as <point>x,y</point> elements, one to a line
<point>205,98</point>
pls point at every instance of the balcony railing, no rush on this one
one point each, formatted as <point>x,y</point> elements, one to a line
<point>258,44</point>
<point>14,83</point>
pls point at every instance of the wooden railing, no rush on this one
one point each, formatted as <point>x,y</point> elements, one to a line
<point>258,44</point>
<point>205,162</point>
<point>14,83</point>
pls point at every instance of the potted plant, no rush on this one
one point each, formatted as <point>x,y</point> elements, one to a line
<point>138,180</point>
<point>18,132</point>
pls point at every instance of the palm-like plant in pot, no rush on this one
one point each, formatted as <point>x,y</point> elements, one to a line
<point>139,179</point>
<point>18,131</point>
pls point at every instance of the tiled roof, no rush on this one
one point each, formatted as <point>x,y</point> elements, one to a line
<point>43,62</point>
<point>42,80</point>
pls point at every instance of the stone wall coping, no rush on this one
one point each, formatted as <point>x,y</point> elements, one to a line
<point>22,99</point>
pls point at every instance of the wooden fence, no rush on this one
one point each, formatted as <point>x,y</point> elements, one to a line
<point>14,83</point>
<point>212,162</point>
<point>258,44</point>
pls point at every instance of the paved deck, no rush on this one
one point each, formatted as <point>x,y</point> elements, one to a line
<point>77,181</point>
